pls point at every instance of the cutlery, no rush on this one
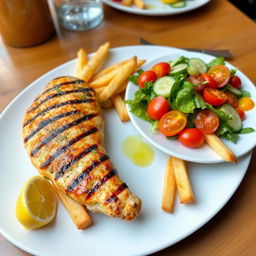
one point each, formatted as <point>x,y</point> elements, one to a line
<point>218,53</point>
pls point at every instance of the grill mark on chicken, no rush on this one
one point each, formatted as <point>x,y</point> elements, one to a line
<point>65,167</point>
<point>60,130</point>
<point>61,93</point>
<point>85,173</point>
<point>58,105</point>
<point>57,86</point>
<point>113,197</point>
<point>48,121</point>
<point>65,147</point>
<point>111,174</point>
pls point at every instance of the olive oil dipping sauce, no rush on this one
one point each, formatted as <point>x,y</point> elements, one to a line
<point>139,152</point>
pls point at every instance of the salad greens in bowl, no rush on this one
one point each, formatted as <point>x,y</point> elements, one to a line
<point>176,101</point>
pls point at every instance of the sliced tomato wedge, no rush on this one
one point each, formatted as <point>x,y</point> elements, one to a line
<point>210,80</point>
<point>207,121</point>
<point>232,99</point>
<point>214,96</point>
<point>220,74</point>
<point>172,123</point>
<point>198,81</point>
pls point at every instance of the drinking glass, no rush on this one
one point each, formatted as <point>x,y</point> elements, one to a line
<point>79,14</point>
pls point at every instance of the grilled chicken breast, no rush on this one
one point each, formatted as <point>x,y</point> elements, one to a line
<point>63,135</point>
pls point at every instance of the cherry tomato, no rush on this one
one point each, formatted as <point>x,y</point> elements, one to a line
<point>146,76</point>
<point>245,103</point>
<point>157,107</point>
<point>191,137</point>
<point>162,69</point>
<point>214,96</point>
<point>172,123</point>
<point>236,82</point>
<point>207,121</point>
<point>232,99</point>
<point>220,74</point>
<point>211,82</point>
<point>198,81</point>
<point>241,114</point>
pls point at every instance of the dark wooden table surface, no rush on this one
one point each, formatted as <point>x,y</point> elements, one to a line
<point>217,25</point>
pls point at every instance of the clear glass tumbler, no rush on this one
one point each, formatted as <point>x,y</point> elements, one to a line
<point>79,14</point>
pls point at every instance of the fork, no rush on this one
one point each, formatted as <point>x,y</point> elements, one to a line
<point>218,53</point>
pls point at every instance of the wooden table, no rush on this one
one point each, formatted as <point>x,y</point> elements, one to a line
<point>217,25</point>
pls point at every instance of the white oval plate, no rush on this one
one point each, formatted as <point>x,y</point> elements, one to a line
<point>157,7</point>
<point>203,154</point>
<point>153,230</point>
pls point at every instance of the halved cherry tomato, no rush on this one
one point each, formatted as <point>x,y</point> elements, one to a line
<point>162,69</point>
<point>172,123</point>
<point>211,82</point>
<point>191,137</point>
<point>214,96</point>
<point>157,107</point>
<point>198,81</point>
<point>245,103</point>
<point>146,76</point>
<point>241,114</point>
<point>235,81</point>
<point>232,99</point>
<point>207,121</point>
<point>220,74</point>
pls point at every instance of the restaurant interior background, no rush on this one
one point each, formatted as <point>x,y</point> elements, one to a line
<point>247,6</point>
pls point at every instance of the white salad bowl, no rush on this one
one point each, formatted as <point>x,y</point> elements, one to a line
<point>203,154</point>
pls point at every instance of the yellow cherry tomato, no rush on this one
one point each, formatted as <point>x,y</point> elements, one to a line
<point>170,1</point>
<point>245,103</point>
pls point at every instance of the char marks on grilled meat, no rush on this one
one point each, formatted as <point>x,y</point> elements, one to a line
<point>63,135</point>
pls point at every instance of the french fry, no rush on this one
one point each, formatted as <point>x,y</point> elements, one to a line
<point>140,4</point>
<point>169,188</point>
<point>118,80</point>
<point>82,61</point>
<point>99,90</point>
<point>109,69</point>
<point>105,79</point>
<point>184,187</point>
<point>118,91</point>
<point>127,2</point>
<point>96,60</point>
<point>120,107</point>
<point>220,148</point>
<point>122,88</point>
<point>76,211</point>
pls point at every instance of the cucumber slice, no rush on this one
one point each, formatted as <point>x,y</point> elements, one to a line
<point>179,4</point>
<point>199,64</point>
<point>235,124</point>
<point>163,86</point>
<point>234,90</point>
<point>178,69</point>
<point>193,70</point>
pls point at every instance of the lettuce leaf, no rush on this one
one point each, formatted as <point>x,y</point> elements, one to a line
<point>216,61</point>
<point>184,101</point>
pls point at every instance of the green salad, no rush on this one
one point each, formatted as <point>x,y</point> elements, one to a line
<point>187,98</point>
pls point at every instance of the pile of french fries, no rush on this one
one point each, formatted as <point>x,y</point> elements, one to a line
<point>139,3</point>
<point>110,85</point>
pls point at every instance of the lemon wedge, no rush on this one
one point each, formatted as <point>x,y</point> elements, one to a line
<point>37,203</point>
<point>170,1</point>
